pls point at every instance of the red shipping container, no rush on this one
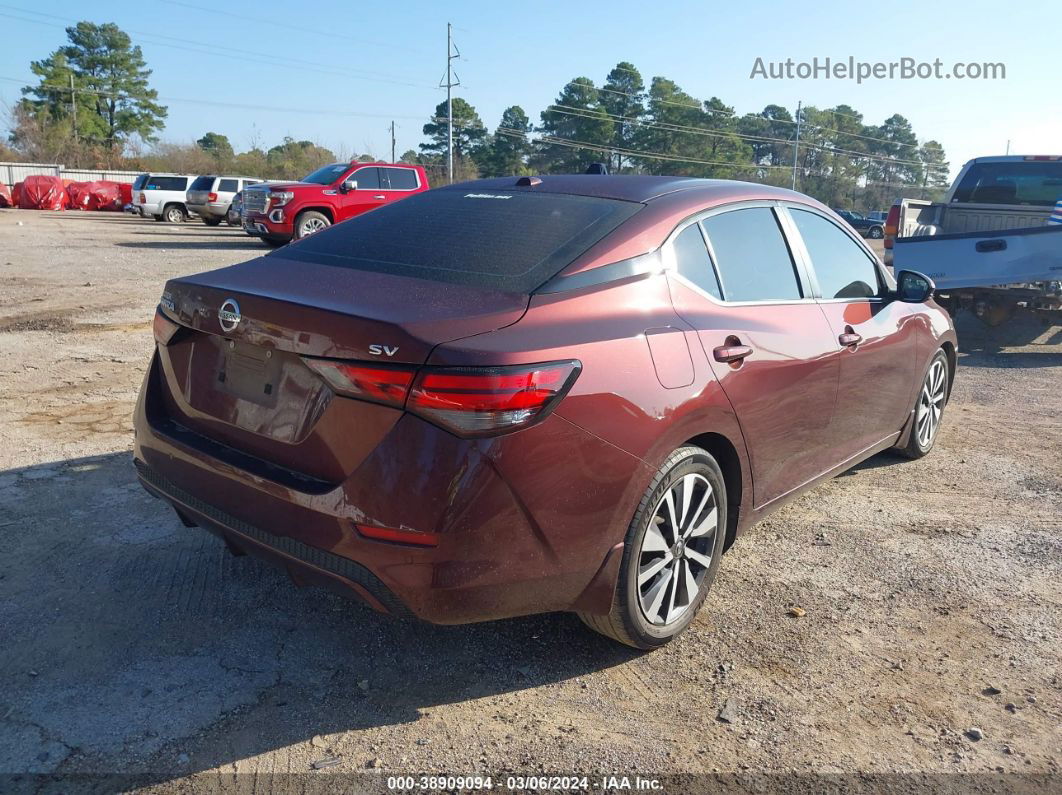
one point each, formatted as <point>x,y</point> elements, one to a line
<point>42,193</point>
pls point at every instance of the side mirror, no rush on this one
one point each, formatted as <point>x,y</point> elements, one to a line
<point>349,185</point>
<point>913,287</point>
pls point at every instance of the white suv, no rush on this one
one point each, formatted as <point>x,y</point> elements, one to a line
<point>210,196</point>
<point>163,196</point>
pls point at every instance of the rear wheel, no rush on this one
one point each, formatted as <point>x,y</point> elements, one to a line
<point>310,222</point>
<point>671,553</point>
<point>211,220</point>
<point>876,233</point>
<point>173,214</point>
<point>929,408</point>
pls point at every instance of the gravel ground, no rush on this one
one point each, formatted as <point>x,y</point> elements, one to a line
<point>930,644</point>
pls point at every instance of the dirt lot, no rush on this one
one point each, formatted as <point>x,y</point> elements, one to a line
<point>128,643</point>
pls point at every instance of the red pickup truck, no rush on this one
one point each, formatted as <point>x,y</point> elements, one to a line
<point>280,212</point>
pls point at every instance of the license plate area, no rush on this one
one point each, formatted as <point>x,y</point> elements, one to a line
<point>249,372</point>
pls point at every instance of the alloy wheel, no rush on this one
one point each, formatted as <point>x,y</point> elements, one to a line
<point>931,403</point>
<point>676,549</point>
<point>311,225</point>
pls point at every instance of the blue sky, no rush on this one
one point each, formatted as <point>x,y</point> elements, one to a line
<point>358,65</point>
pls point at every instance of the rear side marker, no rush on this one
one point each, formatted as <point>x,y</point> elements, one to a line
<point>414,537</point>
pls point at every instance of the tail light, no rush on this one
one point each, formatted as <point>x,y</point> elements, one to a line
<point>484,401</point>
<point>467,401</point>
<point>143,198</point>
<point>892,225</point>
<point>399,535</point>
<point>212,197</point>
<point>163,328</point>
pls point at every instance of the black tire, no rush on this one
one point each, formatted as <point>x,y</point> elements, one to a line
<point>876,233</point>
<point>173,214</point>
<point>628,621</point>
<point>157,217</point>
<point>917,444</point>
<point>275,242</point>
<point>211,220</point>
<point>310,221</point>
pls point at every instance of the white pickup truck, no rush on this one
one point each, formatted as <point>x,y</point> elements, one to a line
<point>990,246</point>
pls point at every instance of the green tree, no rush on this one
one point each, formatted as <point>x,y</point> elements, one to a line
<point>113,99</point>
<point>935,177</point>
<point>576,116</point>
<point>217,146</point>
<point>293,159</point>
<point>507,151</point>
<point>623,98</point>
<point>673,131</point>
<point>469,132</point>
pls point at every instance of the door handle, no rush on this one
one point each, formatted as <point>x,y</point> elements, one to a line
<point>986,246</point>
<point>379,196</point>
<point>850,339</point>
<point>729,354</point>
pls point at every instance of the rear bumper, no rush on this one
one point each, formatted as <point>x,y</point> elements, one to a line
<point>521,530</point>
<point>209,210</point>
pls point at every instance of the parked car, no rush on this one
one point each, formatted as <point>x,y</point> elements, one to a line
<point>210,196</point>
<point>865,226</point>
<point>990,245</point>
<point>878,215</point>
<point>232,217</point>
<point>163,196</point>
<point>521,395</point>
<point>277,213</point>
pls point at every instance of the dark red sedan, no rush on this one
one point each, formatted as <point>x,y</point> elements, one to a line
<point>532,394</point>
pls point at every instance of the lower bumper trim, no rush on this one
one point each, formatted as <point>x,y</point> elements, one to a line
<point>336,565</point>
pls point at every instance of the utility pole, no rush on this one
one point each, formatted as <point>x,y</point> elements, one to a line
<point>452,81</point>
<point>392,141</point>
<point>796,144</point>
<point>1008,146</point>
<point>73,106</point>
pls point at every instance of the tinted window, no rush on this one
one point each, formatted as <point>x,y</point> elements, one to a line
<point>751,256</point>
<point>229,185</point>
<point>326,175</point>
<point>138,183</point>
<point>400,178</point>
<point>166,183</point>
<point>1037,183</point>
<point>691,257</point>
<point>368,178</point>
<point>499,240</point>
<point>842,267</point>
<point>202,183</point>
<point>248,182</point>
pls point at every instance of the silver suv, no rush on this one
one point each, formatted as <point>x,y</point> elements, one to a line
<point>162,196</point>
<point>210,196</point>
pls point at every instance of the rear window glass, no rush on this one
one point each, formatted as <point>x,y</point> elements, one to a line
<point>229,185</point>
<point>202,183</point>
<point>1036,183</point>
<point>166,183</point>
<point>498,240</point>
<point>400,178</point>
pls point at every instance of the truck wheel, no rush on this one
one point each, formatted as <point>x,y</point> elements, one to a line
<point>309,222</point>
<point>671,553</point>
<point>876,233</point>
<point>991,312</point>
<point>275,242</point>
<point>211,220</point>
<point>173,214</point>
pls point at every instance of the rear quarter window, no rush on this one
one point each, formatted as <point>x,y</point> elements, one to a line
<point>500,240</point>
<point>229,185</point>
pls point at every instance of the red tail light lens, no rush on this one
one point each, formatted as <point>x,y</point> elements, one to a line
<point>163,328</point>
<point>143,199</point>
<point>387,385</point>
<point>212,197</point>
<point>480,401</point>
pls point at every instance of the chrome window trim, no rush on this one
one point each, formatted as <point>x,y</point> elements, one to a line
<point>671,266</point>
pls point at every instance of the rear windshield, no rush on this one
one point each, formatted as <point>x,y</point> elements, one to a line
<point>138,183</point>
<point>498,240</point>
<point>202,183</point>
<point>1032,182</point>
<point>326,175</point>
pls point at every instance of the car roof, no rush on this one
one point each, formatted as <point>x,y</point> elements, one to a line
<point>635,187</point>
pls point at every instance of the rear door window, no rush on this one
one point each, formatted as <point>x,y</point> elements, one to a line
<point>368,178</point>
<point>843,268</point>
<point>1036,183</point>
<point>228,186</point>
<point>399,178</point>
<point>751,256</point>
<point>499,240</point>
<point>203,183</point>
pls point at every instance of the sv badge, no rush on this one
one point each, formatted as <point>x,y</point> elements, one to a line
<point>378,350</point>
